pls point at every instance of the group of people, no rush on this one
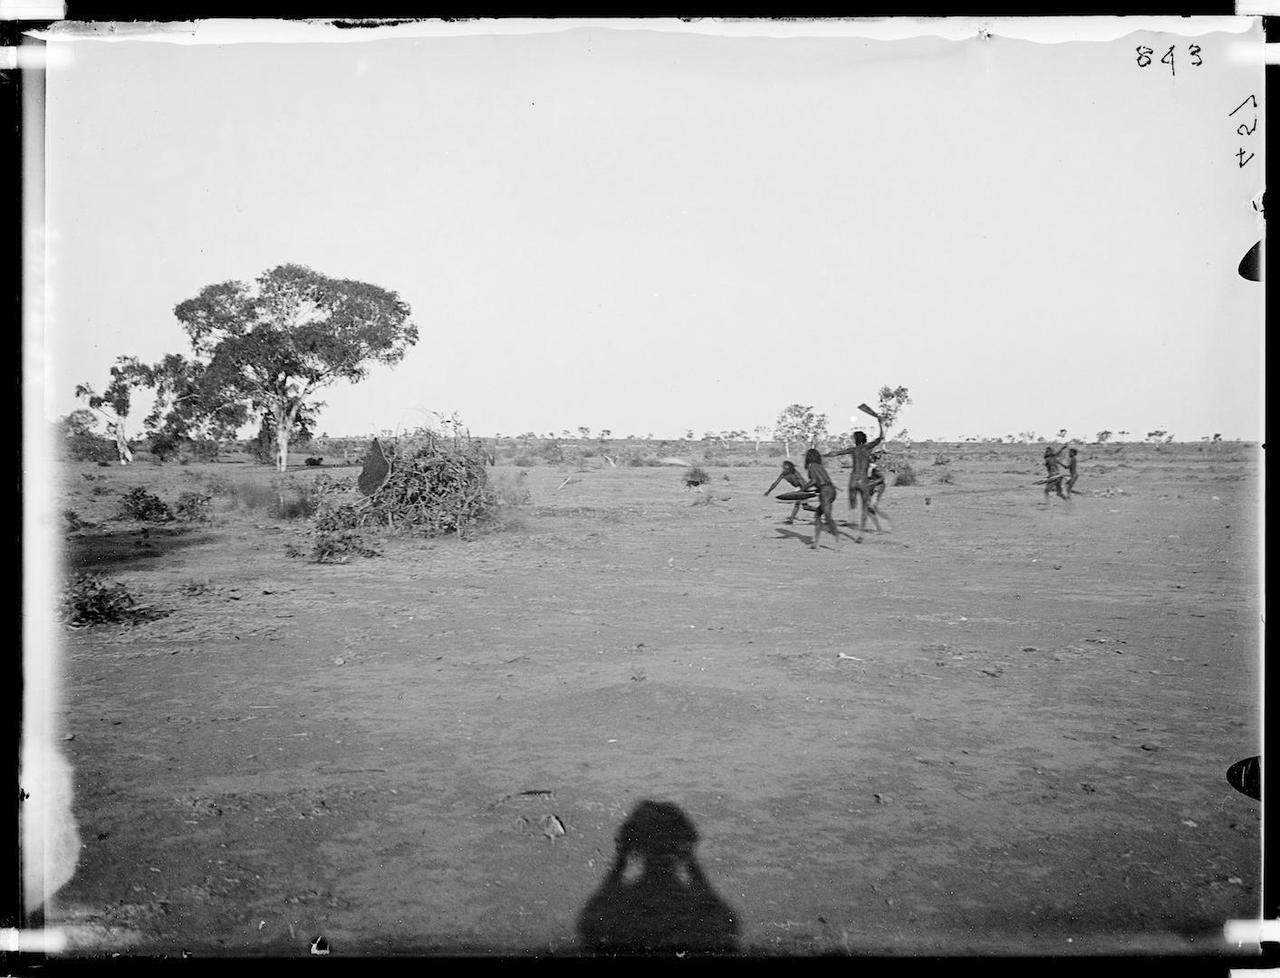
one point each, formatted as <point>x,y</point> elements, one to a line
<point>1054,482</point>
<point>866,485</point>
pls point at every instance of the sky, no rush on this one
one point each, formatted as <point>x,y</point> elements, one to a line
<point>650,232</point>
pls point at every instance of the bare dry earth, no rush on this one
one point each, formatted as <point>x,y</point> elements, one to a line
<point>1026,751</point>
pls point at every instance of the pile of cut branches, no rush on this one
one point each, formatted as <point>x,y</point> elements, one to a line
<point>436,485</point>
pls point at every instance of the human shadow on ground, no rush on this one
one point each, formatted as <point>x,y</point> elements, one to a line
<point>805,538</point>
<point>655,898</point>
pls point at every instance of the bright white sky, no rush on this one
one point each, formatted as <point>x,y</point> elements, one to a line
<point>650,232</point>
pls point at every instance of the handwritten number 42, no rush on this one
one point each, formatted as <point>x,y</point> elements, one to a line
<point>1145,53</point>
<point>1244,129</point>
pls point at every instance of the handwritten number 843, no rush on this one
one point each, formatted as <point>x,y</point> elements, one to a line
<point>1145,53</point>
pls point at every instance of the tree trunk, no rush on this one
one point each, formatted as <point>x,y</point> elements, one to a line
<point>122,443</point>
<point>786,447</point>
<point>284,421</point>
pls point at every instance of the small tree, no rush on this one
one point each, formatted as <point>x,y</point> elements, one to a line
<point>798,422</point>
<point>1062,433</point>
<point>189,407</point>
<point>127,375</point>
<point>79,437</point>
<point>761,432</point>
<point>891,401</point>
<point>584,432</point>
<point>1103,436</point>
<point>271,344</point>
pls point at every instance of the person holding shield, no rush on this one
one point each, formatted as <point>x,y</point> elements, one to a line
<point>1052,462</point>
<point>790,475</point>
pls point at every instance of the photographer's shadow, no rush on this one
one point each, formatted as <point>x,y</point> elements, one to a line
<point>655,899</point>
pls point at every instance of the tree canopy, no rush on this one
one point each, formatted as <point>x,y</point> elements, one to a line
<point>265,347</point>
<point>798,422</point>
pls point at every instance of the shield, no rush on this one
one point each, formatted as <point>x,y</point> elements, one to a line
<point>376,471</point>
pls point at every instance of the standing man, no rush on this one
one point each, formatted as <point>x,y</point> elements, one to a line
<point>860,486</point>
<point>820,480</point>
<point>1071,471</point>
<point>1053,482</point>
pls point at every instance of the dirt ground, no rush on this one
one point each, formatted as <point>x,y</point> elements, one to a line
<point>1002,726</point>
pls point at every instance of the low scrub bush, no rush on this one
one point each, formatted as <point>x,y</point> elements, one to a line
<point>294,501</point>
<point>696,476</point>
<point>72,521</point>
<point>905,475</point>
<point>87,601</point>
<point>219,485</point>
<point>86,447</point>
<point>251,495</point>
<point>138,504</point>
<point>337,546</point>
<point>946,478</point>
<point>194,507</point>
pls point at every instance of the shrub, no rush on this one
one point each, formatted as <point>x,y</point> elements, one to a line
<point>294,501</point>
<point>87,601</point>
<point>73,521</point>
<point>199,450</point>
<point>941,459</point>
<point>946,478</point>
<point>314,461</point>
<point>138,504</point>
<point>905,476</point>
<point>696,476</point>
<point>195,507</point>
<point>251,495</point>
<point>85,447</point>
<point>524,460</point>
<point>163,446</point>
<point>219,485</point>
<point>102,491</point>
<point>338,546</point>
